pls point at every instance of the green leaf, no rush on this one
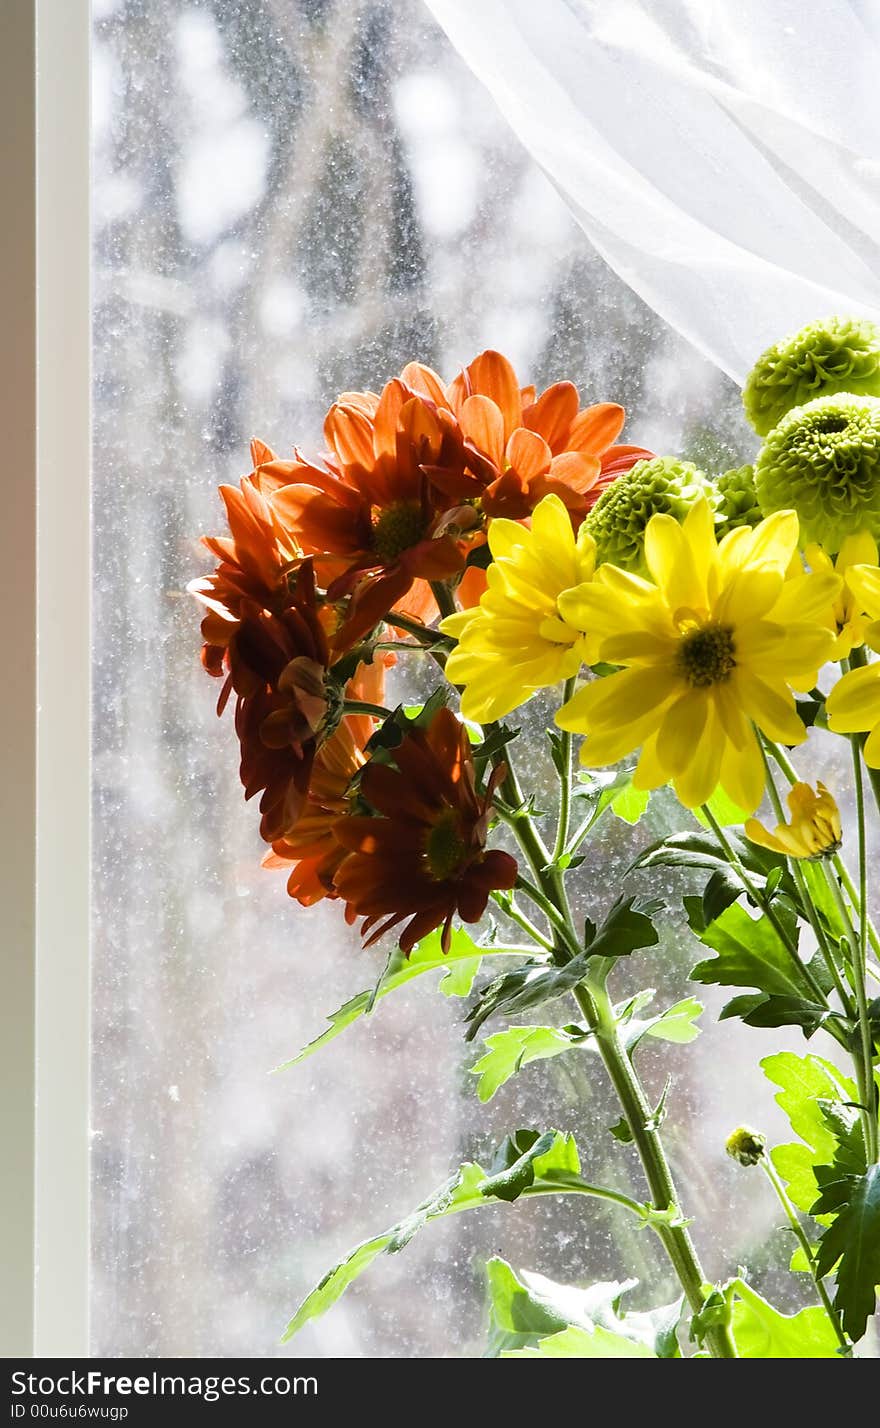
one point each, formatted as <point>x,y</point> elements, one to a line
<point>852,1242</point>
<point>460,1192</point>
<point>527,1156</point>
<point>531,985</point>
<point>805,1082</point>
<point>723,810</point>
<point>750,953</point>
<point>630,803</point>
<point>757,1009</point>
<point>509,1050</point>
<point>723,888</point>
<point>526,1309</point>
<point>460,965</point>
<point>800,1262</point>
<point>518,1316</point>
<point>676,1024</point>
<point>574,1343</point>
<point>526,1161</point>
<point>622,1131</point>
<point>761,1332</point>
<point>627,927</point>
<point>701,850</point>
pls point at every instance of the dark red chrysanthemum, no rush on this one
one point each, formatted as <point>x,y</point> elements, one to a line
<point>423,856</point>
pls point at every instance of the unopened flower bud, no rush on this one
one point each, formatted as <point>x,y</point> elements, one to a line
<point>745,1145</point>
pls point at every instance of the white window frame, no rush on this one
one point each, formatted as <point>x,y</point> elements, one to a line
<point>45,420</point>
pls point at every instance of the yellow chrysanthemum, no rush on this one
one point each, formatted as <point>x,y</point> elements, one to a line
<point>854,703</point>
<point>514,642</point>
<point>846,617</point>
<point>814,830</point>
<point>711,647</point>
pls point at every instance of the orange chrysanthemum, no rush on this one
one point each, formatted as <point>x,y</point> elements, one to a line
<point>423,856</point>
<point>311,851</point>
<point>370,514</point>
<point>520,448</point>
<point>254,561</point>
<point>279,677</point>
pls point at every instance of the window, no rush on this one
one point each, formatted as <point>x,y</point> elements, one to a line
<point>289,200</point>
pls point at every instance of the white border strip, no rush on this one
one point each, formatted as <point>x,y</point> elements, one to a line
<point>17,724</point>
<point>63,677</point>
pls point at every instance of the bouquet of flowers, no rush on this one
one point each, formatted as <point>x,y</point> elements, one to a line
<point>687,630</point>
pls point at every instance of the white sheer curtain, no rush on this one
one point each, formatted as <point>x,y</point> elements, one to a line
<point>722,155</point>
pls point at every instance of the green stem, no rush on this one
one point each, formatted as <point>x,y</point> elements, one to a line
<point>860,952</point>
<point>850,889</point>
<point>806,896</point>
<point>858,660</point>
<point>598,1192</point>
<point>580,834</point>
<point>800,1235</point>
<point>842,870</point>
<point>360,706</point>
<point>564,782</point>
<point>515,813</point>
<point>422,632</point>
<point>411,646</point>
<point>599,1013</point>
<point>768,910</point>
<point>551,912</point>
<point>869,1128</point>
<point>516,914</point>
<point>444,597</point>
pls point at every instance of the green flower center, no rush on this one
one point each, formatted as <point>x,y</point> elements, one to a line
<point>707,655</point>
<point>831,425</point>
<point>445,849</point>
<point>399,527</point>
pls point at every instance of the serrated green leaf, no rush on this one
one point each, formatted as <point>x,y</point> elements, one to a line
<point>676,1024</point>
<point>761,1332</point>
<point>796,1165</point>
<point>459,979</point>
<point>509,1050</point>
<point>552,1166</point>
<point>749,953</point>
<point>583,1344</point>
<point>758,1009</point>
<point>852,1242</point>
<point>629,804</point>
<point>627,927</point>
<point>518,1318</point>
<point>804,1082</point>
<point>460,966</point>
<point>800,1262</point>
<point>460,1192</point>
<point>526,1309</point>
<point>527,1156</point>
<point>723,888</point>
<point>694,849</point>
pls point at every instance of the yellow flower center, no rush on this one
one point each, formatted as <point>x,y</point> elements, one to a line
<point>445,848</point>
<point>706,655</point>
<point>400,526</point>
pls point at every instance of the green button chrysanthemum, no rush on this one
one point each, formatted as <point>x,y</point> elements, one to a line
<point>838,354</point>
<point>823,461</point>
<point>737,500</point>
<point>617,521</point>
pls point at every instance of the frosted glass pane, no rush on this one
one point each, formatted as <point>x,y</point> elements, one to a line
<point>290,200</point>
